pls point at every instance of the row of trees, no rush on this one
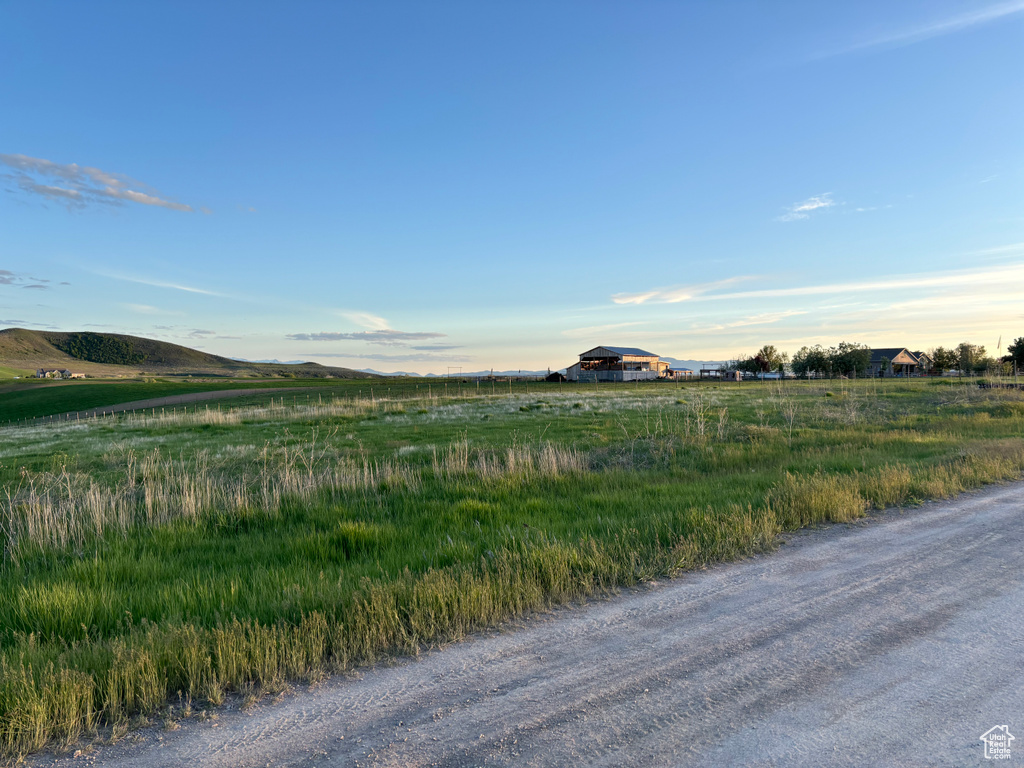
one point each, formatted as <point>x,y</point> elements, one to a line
<point>766,360</point>
<point>844,359</point>
<point>971,358</point>
<point>851,360</point>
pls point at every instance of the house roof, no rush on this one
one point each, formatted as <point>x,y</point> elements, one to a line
<point>624,351</point>
<point>890,354</point>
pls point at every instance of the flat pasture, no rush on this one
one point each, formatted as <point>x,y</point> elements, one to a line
<point>41,398</point>
<point>156,562</point>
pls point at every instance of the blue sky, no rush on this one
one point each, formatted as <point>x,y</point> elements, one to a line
<point>412,186</point>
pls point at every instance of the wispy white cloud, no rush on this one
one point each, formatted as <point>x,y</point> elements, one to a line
<point>993,276</point>
<point>999,251</point>
<point>932,29</point>
<point>365,319</point>
<point>156,283</point>
<point>80,185</point>
<point>765,318</point>
<point>803,210</point>
<point>676,294</point>
<point>147,309</point>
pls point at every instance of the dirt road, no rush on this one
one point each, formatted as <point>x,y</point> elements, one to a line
<point>898,641</point>
<point>164,402</point>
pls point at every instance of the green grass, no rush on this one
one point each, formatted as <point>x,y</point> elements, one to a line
<point>10,373</point>
<point>35,399</point>
<point>232,549</point>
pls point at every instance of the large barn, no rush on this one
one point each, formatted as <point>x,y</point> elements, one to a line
<point>617,364</point>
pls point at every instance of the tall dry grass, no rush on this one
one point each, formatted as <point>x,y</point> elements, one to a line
<point>63,509</point>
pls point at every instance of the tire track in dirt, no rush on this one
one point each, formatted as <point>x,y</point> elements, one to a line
<point>161,402</point>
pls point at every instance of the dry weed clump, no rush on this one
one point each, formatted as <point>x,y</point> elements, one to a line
<point>806,500</point>
<point>724,535</point>
<point>799,501</point>
<point>523,462</point>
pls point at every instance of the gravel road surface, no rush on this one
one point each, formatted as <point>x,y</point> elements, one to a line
<point>895,641</point>
<point>163,402</point>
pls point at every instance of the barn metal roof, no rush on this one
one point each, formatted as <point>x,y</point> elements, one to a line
<point>623,350</point>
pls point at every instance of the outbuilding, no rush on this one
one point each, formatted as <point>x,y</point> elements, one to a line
<point>616,364</point>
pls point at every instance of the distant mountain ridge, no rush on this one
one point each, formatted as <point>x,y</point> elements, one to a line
<point>112,354</point>
<point>272,361</point>
<point>463,374</point>
<point>693,365</point>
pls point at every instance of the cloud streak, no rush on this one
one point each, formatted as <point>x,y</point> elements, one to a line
<point>934,29</point>
<point>365,319</point>
<point>79,186</point>
<point>994,276</point>
<point>675,294</point>
<point>159,283</point>
<point>148,309</point>
<point>801,211</point>
<point>765,318</point>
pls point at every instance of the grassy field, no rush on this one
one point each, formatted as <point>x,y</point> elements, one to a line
<point>154,563</point>
<point>35,399</point>
<point>10,373</point>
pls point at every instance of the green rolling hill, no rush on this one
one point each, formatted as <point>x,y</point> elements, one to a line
<point>113,354</point>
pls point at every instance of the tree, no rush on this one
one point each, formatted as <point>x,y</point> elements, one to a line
<point>800,365</point>
<point>970,357</point>
<point>850,359</point>
<point>748,365</point>
<point>765,360</point>
<point>811,361</point>
<point>1016,351</point>
<point>768,358</point>
<point>944,359</point>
